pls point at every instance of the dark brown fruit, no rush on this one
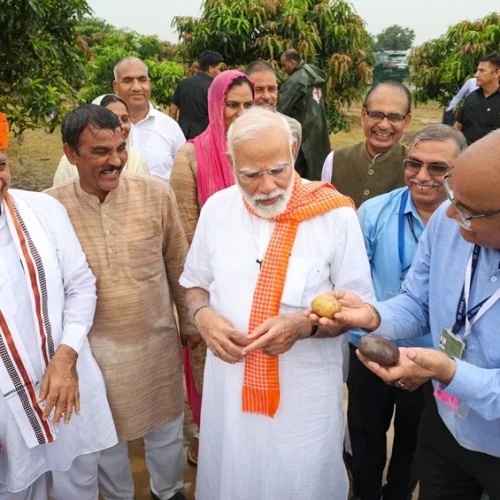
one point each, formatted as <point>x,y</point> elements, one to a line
<point>379,349</point>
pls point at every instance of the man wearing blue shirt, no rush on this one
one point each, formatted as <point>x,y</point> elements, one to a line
<point>392,225</point>
<point>452,289</point>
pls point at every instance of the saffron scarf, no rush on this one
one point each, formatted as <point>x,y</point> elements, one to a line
<point>19,383</point>
<point>4,132</point>
<point>261,387</point>
<point>214,170</point>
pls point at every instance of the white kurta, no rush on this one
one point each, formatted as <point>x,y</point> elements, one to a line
<point>93,430</point>
<point>298,453</point>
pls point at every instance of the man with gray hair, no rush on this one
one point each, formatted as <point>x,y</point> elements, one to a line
<point>157,135</point>
<point>392,225</point>
<point>271,423</point>
<point>263,76</point>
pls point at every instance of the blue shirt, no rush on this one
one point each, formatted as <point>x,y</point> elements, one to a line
<point>379,219</point>
<point>429,300</point>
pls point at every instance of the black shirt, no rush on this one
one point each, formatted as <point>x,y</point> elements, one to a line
<point>192,101</point>
<point>479,115</point>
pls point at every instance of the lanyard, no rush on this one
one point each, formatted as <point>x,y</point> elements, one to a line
<point>401,232</point>
<point>471,316</point>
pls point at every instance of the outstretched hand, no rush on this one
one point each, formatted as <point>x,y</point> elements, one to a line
<point>355,313</point>
<point>415,362</point>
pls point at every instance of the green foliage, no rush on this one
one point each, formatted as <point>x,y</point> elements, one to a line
<point>40,66</point>
<point>395,37</point>
<point>104,45</point>
<point>328,34</point>
<point>165,76</point>
<point>440,66</point>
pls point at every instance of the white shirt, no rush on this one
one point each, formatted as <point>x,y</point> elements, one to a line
<point>469,86</point>
<point>328,253</point>
<point>326,173</point>
<point>158,137</point>
<point>93,430</point>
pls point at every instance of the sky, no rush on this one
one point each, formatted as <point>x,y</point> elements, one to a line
<point>429,18</point>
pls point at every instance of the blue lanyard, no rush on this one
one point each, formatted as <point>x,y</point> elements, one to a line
<point>461,313</point>
<point>401,232</point>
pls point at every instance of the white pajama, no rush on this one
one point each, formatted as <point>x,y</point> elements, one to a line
<point>164,458</point>
<point>79,482</point>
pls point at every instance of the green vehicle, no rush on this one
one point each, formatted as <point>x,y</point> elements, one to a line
<point>391,65</point>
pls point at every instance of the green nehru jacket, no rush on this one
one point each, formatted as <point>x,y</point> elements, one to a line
<point>358,175</point>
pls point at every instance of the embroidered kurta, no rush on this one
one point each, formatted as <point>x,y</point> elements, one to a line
<point>71,303</point>
<point>298,453</point>
<point>136,247</point>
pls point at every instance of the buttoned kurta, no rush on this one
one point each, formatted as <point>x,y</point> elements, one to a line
<point>136,247</point>
<point>298,453</point>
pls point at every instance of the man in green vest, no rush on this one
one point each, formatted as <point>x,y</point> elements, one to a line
<point>302,97</point>
<point>375,165</point>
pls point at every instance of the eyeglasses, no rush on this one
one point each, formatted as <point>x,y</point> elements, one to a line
<point>463,216</point>
<point>378,116</point>
<point>434,169</point>
<point>250,176</point>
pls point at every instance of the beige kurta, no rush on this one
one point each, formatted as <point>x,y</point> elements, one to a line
<point>184,183</point>
<point>136,247</point>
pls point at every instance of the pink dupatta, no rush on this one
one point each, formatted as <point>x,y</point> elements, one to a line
<point>214,170</point>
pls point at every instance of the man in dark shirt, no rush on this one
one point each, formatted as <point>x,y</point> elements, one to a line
<point>190,98</point>
<point>480,113</point>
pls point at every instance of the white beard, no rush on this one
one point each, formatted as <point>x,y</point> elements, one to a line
<point>270,211</point>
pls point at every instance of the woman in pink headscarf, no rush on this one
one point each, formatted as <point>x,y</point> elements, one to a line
<point>201,168</point>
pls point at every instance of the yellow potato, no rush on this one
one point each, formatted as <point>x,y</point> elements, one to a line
<point>326,306</point>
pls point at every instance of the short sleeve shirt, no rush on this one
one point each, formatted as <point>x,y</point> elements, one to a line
<point>479,115</point>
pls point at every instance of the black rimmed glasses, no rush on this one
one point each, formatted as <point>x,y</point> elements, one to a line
<point>434,169</point>
<point>378,116</point>
<point>466,218</point>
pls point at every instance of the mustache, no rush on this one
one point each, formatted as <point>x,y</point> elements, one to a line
<point>431,184</point>
<point>274,194</point>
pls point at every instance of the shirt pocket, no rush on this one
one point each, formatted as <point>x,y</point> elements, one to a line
<point>303,281</point>
<point>146,259</point>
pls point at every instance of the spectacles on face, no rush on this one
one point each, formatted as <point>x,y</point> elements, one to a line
<point>378,116</point>
<point>251,176</point>
<point>434,169</point>
<point>463,216</point>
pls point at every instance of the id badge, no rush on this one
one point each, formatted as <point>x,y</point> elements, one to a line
<point>452,346</point>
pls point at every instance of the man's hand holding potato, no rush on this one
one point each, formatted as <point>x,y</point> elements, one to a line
<point>355,313</point>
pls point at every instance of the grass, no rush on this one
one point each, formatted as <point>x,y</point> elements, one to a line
<point>41,152</point>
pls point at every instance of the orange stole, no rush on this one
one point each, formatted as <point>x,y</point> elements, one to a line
<point>261,387</point>
<point>4,132</point>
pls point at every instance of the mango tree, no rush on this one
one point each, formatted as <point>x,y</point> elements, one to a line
<point>328,34</point>
<point>441,66</point>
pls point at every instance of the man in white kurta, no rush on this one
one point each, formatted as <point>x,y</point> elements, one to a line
<point>47,303</point>
<point>297,453</point>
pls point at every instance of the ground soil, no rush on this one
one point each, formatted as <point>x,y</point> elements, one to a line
<point>40,154</point>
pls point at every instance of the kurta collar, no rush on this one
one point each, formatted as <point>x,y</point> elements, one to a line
<point>382,157</point>
<point>93,201</point>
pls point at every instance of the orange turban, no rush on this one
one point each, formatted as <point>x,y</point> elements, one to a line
<point>4,132</point>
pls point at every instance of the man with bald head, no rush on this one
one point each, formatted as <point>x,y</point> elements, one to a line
<point>157,135</point>
<point>302,97</point>
<point>453,291</point>
<point>374,166</point>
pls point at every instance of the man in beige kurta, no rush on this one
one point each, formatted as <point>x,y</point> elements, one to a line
<point>130,230</point>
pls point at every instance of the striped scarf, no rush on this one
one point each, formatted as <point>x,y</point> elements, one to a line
<point>18,382</point>
<point>261,387</point>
